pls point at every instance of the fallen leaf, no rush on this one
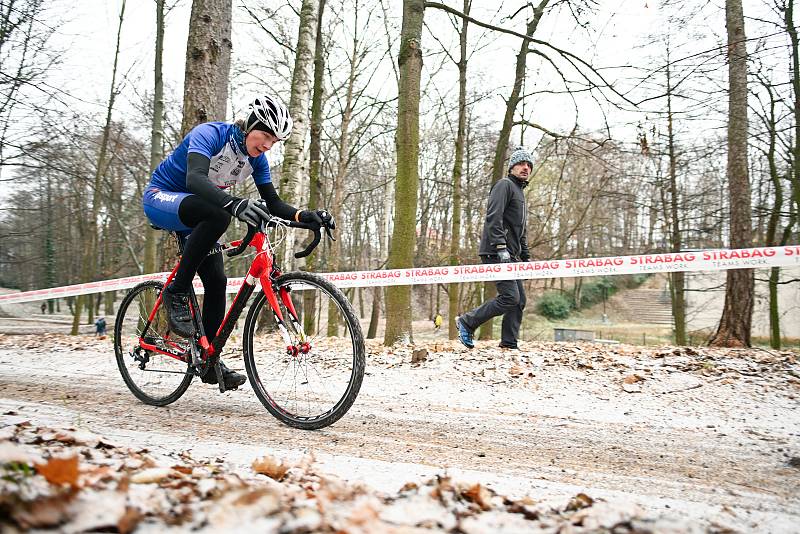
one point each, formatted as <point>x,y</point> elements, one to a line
<point>632,379</point>
<point>47,512</point>
<point>604,517</point>
<point>96,474</point>
<point>271,467</point>
<point>185,469</point>
<point>129,520</point>
<point>578,502</point>
<point>408,486</point>
<point>480,495</point>
<point>60,471</point>
<point>244,506</point>
<point>515,370</point>
<point>526,507</point>
<point>364,516</point>
<point>67,437</point>
<point>419,355</point>
<point>155,474</point>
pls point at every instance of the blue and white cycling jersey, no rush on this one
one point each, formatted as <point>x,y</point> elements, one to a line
<point>223,144</point>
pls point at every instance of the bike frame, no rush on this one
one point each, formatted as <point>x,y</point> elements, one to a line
<point>262,269</point>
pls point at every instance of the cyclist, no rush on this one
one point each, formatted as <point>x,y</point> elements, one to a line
<point>186,194</point>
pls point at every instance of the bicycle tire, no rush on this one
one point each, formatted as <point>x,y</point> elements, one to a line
<point>319,357</point>
<point>126,352</point>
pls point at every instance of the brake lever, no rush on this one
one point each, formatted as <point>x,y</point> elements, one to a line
<point>329,234</point>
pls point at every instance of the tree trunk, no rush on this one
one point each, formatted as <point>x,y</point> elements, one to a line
<point>208,63</point>
<point>677,279</point>
<point>315,149</point>
<point>383,241</point>
<point>401,251</point>
<point>375,315</point>
<point>49,245</point>
<point>737,314</point>
<point>156,135</point>
<point>498,167</point>
<point>774,221</point>
<point>76,315</point>
<point>792,30</point>
<point>455,240</point>
<point>294,162</point>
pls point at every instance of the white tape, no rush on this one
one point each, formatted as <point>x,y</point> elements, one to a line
<point>704,260</point>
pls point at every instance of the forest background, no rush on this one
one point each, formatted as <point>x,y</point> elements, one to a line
<point>656,127</point>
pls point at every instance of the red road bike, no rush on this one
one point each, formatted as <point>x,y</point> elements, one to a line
<point>302,344</point>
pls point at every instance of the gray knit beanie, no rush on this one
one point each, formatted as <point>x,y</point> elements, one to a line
<point>518,156</point>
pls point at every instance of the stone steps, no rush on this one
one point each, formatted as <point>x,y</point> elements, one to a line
<point>651,306</point>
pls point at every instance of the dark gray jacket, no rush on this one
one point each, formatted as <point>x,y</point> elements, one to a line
<point>506,220</point>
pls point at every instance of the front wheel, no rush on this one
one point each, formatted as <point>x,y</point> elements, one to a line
<point>308,370</point>
<point>153,377</point>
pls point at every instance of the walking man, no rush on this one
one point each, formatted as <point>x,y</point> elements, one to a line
<point>504,239</point>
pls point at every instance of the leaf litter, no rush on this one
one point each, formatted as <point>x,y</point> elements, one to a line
<point>276,495</point>
<point>83,485</point>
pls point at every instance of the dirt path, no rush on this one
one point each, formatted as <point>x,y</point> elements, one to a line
<point>712,437</point>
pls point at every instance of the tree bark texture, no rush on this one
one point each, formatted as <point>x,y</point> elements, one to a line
<point>208,63</point>
<point>401,250</point>
<point>737,314</point>
<point>295,165</point>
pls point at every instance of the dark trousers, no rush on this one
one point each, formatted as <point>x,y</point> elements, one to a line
<point>510,302</point>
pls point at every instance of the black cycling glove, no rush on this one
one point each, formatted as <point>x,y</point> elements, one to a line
<point>317,217</point>
<point>249,211</point>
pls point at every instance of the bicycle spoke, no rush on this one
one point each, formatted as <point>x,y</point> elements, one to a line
<point>316,382</point>
<point>153,377</point>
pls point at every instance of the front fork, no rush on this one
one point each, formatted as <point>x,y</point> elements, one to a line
<point>293,348</point>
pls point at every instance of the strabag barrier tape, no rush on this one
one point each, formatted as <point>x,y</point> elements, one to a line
<point>703,260</point>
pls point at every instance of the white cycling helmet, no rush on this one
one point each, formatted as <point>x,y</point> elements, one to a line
<point>270,113</point>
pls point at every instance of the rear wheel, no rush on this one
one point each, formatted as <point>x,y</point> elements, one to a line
<point>309,375</point>
<point>154,378</point>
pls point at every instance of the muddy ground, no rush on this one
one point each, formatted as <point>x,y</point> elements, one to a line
<point>686,438</point>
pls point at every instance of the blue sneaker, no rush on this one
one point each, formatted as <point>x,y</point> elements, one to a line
<point>464,334</point>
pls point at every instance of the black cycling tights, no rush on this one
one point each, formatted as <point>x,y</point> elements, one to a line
<point>208,223</point>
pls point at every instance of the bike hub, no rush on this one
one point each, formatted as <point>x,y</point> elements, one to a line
<point>295,350</point>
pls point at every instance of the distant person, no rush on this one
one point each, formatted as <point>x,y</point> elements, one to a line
<point>100,327</point>
<point>43,307</point>
<point>437,321</point>
<point>504,240</point>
